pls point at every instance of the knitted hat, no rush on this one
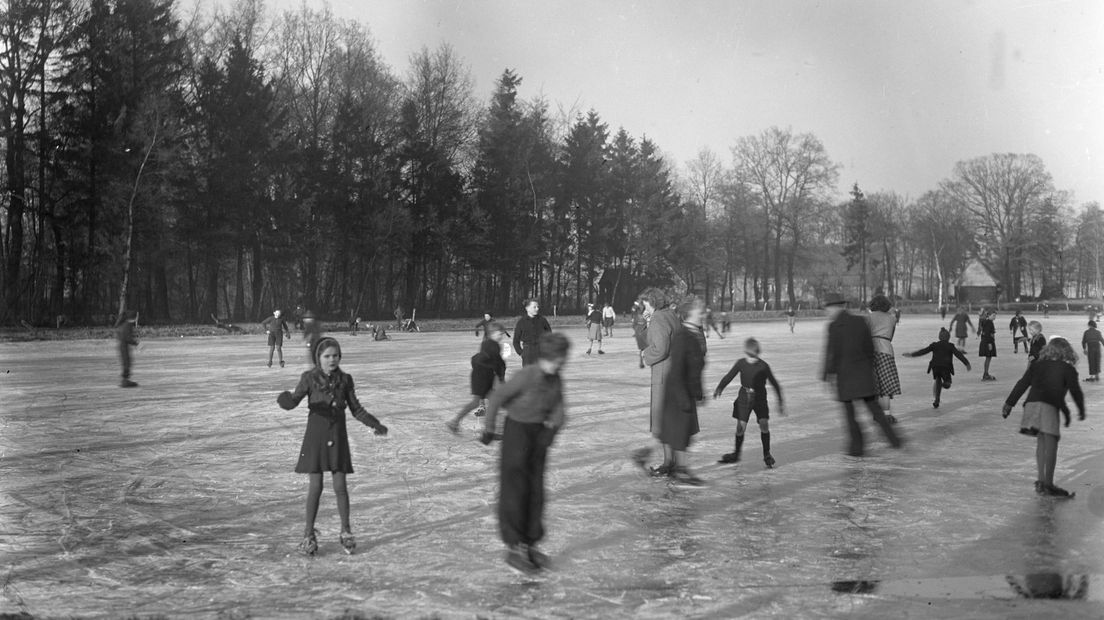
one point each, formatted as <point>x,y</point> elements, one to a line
<point>322,345</point>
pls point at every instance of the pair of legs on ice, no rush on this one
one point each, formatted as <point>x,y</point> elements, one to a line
<point>521,493</point>
<point>1046,458</point>
<point>764,435</point>
<point>478,404</point>
<point>857,445</point>
<point>314,495</point>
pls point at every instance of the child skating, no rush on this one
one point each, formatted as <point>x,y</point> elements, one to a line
<point>594,329</point>
<point>754,375</point>
<point>487,366</point>
<point>1018,327</point>
<point>1091,342</point>
<point>609,317</point>
<point>941,365</point>
<point>1049,377</point>
<point>961,323</point>
<point>328,391</point>
<point>277,329</point>
<point>1034,341</point>
<point>533,398</point>
<point>987,348</point>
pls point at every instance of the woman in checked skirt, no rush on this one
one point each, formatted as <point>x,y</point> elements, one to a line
<point>883,325</point>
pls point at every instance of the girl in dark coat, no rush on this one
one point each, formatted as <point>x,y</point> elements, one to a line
<point>328,391</point>
<point>683,390</point>
<point>1090,343</point>
<point>487,365</point>
<point>987,348</point>
<point>1050,377</point>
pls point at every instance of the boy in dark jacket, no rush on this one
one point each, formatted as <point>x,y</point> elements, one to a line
<point>941,365</point>
<point>529,331</point>
<point>533,398</point>
<point>125,335</point>
<point>277,329</point>
<point>487,365</point>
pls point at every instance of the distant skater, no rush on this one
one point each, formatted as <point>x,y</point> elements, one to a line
<point>642,315</point>
<point>943,312</point>
<point>126,338</point>
<point>1050,378</point>
<point>312,333</point>
<point>754,376</point>
<point>488,370</point>
<point>656,354</point>
<point>987,348</point>
<point>1018,327</point>
<point>941,365</point>
<point>683,391</point>
<point>594,329</point>
<point>710,323</point>
<point>609,317</point>
<point>791,317</point>
<point>328,391</point>
<point>1035,341</point>
<point>533,399</point>
<point>959,325</point>
<point>528,333</point>
<point>277,329</point>
<point>1091,342</point>
<point>849,369</point>
<point>883,326</point>
<point>1046,310</point>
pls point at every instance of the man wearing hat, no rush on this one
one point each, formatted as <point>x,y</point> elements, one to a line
<point>849,366</point>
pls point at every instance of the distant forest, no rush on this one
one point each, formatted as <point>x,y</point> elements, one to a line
<point>228,162</point>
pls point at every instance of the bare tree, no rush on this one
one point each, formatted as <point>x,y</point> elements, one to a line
<point>792,177</point>
<point>1002,191</point>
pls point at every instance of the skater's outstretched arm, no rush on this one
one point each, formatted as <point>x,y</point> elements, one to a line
<point>962,358</point>
<point>290,400</point>
<point>924,351</point>
<point>358,410</point>
<point>1018,390</point>
<point>735,370</point>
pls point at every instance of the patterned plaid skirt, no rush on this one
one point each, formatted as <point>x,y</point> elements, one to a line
<point>885,374</point>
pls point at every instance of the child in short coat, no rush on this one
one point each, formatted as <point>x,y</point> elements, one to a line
<point>487,367</point>
<point>328,391</point>
<point>941,365</point>
<point>1035,341</point>
<point>1049,377</point>
<point>594,328</point>
<point>754,375</point>
<point>533,398</point>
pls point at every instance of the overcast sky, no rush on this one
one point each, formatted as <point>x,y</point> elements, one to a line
<point>897,91</point>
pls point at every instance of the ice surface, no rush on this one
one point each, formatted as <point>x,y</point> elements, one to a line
<point>178,497</point>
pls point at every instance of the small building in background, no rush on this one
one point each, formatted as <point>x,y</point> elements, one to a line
<point>976,285</point>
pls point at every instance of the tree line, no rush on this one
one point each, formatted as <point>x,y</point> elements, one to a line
<point>228,162</point>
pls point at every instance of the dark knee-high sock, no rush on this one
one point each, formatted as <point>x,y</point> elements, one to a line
<point>314,494</point>
<point>739,444</point>
<point>341,490</point>
<point>766,443</point>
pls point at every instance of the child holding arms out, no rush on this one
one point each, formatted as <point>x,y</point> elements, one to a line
<point>487,365</point>
<point>533,398</point>
<point>754,375</point>
<point>1049,377</point>
<point>941,365</point>
<point>328,391</point>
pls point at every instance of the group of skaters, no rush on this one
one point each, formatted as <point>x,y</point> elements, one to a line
<point>859,365</point>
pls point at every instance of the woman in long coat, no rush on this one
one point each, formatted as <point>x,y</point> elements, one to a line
<point>683,390</point>
<point>1091,342</point>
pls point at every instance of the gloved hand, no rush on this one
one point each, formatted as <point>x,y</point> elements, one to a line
<point>1007,409</point>
<point>381,430</point>
<point>285,401</point>
<point>486,438</point>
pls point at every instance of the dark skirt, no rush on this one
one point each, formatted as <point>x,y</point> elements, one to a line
<point>482,381</point>
<point>987,347</point>
<point>325,446</point>
<point>679,425</point>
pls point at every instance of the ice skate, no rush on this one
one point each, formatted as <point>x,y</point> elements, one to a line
<point>453,426</point>
<point>309,545</point>
<point>281,363</point>
<point>270,364</point>
<point>517,558</point>
<point>935,404</point>
<point>640,458</point>
<point>348,542</point>
<point>127,383</point>
<point>1054,491</point>
<point>661,471</point>
<point>731,457</point>
<point>769,461</point>
<point>538,558</point>
<point>1040,487</point>
<point>683,479</point>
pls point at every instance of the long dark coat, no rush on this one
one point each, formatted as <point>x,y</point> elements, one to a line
<point>850,357</point>
<point>657,354</point>
<point>683,388</point>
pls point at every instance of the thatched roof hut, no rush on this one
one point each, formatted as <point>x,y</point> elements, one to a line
<point>976,284</point>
